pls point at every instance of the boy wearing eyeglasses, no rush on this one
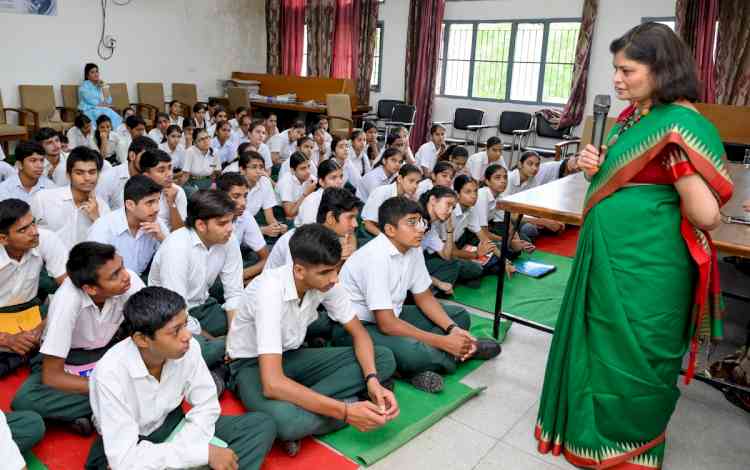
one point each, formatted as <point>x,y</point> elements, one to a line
<point>427,338</point>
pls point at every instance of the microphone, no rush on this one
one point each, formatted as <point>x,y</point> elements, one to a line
<point>601,109</point>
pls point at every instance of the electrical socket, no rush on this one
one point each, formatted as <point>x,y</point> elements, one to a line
<point>110,42</point>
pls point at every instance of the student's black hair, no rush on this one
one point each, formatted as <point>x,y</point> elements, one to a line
<point>388,153</point>
<point>172,103</point>
<point>395,209</point>
<point>126,109</point>
<point>88,68</point>
<point>207,204</point>
<point>442,166</point>
<point>492,141</point>
<point>27,148</point>
<point>298,124</point>
<point>304,139</point>
<point>455,151</point>
<point>240,109</point>
<point>83,154</point>
<point>268,113</point>
<point>525,156</point>
<point>242,148</point>
<point>391,139</point>
<point>334,143</point>
<point>81,120</point>
<point>139,187</point>
<point>198,106</point>
<point>256,123</point>
<point>97,135</point>
<point>11,211</point>
<point>492,169</point>
<point>356,133</point>
<point>438,192</point>
<point>248,155</point>
<point>368,125</point>
<point>161,116</point>
<point>219,125</point>
<point>315,245</point>
<point>63,138</point>
<point>141,144</point>
<point>297,159</point>
<point>213,102</point>
<point>461,181</point>
<point>338,201</point>
<point>170,129</point>
<point>188,123</point>
<point>85,259</point>
<point>406,169</point>
<point>196,132</point>
<point>151,159</point>
<point>150,309</point>
<point>45,133</point>
<point>217,109</point>
<point>435,127</point>
<point>229,179</point>
<point>134,121</point>
<point>327,167</point>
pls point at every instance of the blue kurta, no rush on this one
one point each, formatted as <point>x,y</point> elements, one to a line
<point>90,97</point>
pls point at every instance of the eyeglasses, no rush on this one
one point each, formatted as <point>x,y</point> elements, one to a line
<point>417,223</point>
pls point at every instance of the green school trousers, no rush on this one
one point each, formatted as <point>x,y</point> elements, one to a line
<point>26,428</point>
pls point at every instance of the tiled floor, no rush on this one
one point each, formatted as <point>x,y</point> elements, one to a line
<point>494,430</point>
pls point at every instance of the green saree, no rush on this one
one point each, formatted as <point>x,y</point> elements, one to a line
<point>641,287</point>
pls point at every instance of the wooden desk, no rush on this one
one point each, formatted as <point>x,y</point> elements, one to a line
<point>317,108</point>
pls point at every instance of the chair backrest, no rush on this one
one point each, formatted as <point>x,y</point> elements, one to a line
<point>385,108</point>
<point>514,121</point>
<point>69,96</point>
<point>338,104</point>
<point>2,110</point>
<point>153,94</point>
<point>186,93</point>
<point>238,96</point>
<point>120,96</point>
<point>404,113</point>
<point>39,98</point>
<point>545,129</point>
<point>464,117</point>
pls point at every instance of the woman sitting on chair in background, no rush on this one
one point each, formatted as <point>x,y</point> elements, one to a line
<point>94,99</point>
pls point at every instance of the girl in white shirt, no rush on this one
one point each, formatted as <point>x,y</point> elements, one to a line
<point>403,133</point>
<point>430,152</point>
<point>223,144</point>
<point>174,148</point>
<point>442,175</point>
<point>261,195</point>
<point>106,140</point>
<point>488,217</point>
<point>187,133</point>
<point>220,115</point>
<point>81,133</point>
<point>371,140</point>
<point>340,154</point>
<point>201,165</point>
<point>405,185</point>
<point>480,161</point>
<point>330,175</point>
<point>122,129</point>
<point>322,148</point>
<point>295,185</point>
<point>257,138</point>
<point>239,113</point>
<point>358,159</point>
<point>159,132</point>
<point>383,173</point>
<point>199,116</point>
<point>305,145</point>
<point>175,113</point>
<point>438,243</point>
<point>458,156</point>
<point>270,122</point>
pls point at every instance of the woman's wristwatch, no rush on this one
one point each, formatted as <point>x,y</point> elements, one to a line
<point>449,328</point>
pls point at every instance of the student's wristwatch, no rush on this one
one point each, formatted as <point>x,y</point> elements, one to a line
<point>449,328</point>
<point>371,376</point>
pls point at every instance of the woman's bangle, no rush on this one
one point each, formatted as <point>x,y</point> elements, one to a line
<point>450,328</point>
<point>346,412</point>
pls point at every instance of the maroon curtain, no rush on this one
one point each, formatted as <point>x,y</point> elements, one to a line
<point>733,53</point>
<point>273,36</point>
<point>345,44</point>
<point>422,43</point>
<point>573,112</point>
<point>292,36</point>
<point>368,23</point>
<point>321,20</point>
<point>695,23</point>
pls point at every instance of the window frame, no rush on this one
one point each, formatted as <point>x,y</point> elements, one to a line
<point>511,50</point>
<point>376,87</point>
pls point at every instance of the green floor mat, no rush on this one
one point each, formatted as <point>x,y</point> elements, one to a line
<point>533,299</point>
<point>33,463</point>
<point>419,410</point>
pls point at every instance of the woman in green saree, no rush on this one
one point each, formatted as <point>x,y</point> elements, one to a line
<point>644,285</point>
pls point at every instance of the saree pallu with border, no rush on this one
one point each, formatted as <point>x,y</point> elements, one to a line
<point>643,290</point>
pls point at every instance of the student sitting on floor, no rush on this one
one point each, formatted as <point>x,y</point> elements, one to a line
<point>135,229</point>
<point>246,229</point>
<point>393,141</point>
<point>458,156</point>
<point>202,165</point>
<point>405,185</point>
<point>322,149</point>
<point>403,134</point>
<point>18,434</point>
<point>29,179</point>
<point>82,323</point>
<point>136,127</point>
<point>106,140</point>
<point>330,175</point>
<point>55,158</point>
<point>372,149</point>
<point>219,115</point>
<point>431,152</point>
<point>25,251</point>
<point>172,145</point>
<point>241,134</point>
<point>427,338</point>
<point>223,145</point>
<point>81,132</point>
<point>122,129</point>
<point>188,127</point>
<point>261,194</point>
<point>199,119</point>
<point>442,175</point>
<point>340,154</point>
<point>284,144</point>
<point>488,217</point>
<point>139,385</point>
<point>305,146</point>
<point>466,230</point>
<point>323,124</point>
<point>239,113</point>
<point>70,210</point>
<point>479,162</point>
<point>294,186</point>
<point>385,170</point>
<point>191,259</point>
<point>175,113</point>
<point>157,165</point>
<point>110,186</point>
<point>357,163</point>
<point>159,132</point>
<point>550,171</point>
<point>257,142</point>
<point>307,391</point>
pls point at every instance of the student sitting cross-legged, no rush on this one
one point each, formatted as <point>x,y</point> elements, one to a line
<point>110,186</point>
<point>83,322</point>
<point>19,432</point>
<point>29,179</point>
<point>427,338</point>
<point>191,259</point>
<point>25,251</point>
<point>307,391</point>
<point>405,185</point>
<point>159,166</point>
<point>138,388</point>
<point>330,175</point>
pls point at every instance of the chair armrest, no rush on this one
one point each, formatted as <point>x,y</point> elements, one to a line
<point>474,127</point>
<point>22,112</point>
<point>523,131</point>
<point>443,123</point>
<point>398,123</point>
<point>67,111</point>
<point>562,147</point>
<point>151,109</point>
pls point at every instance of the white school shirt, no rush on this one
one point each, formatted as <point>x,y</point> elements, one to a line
<point>289,188</point>
<point>201,164</point>
<point>185,265</point>
<point>136,250</point>
<point>424,186</point>
<point>266,154</point>
<point>177,155</point>
<point>463,219</point>
<point>77,139</point>
<point>59,175</point>
<point>227,151</point>
<point>128,402</point>
<point>19,280</point>
<point>434,239</point>
<point>286,168</point>
<point>373,179</point>
<point>122,130</point>
<point>122,147</point>
<point>485,210</point>
<point>280,143</point>
<point>376,199</point>
<point>13,189</point>
<point>55,210</point>
<point>113,143</point>
<point>164,209</point>
<point>261,196</point>
<point>234,124</point>
<point>9,452</point>
<point>427,156</point>
<point>280,253</point>
<point>247,232</point>
<point>378,277</point>
<point>515,185</point>
<point>548,171</point>
<point>273,319</point>
<point>6,170</point>
<point>111,185</point>
<point>308,210</point>
<point>479,162</point>
<point>176,121</point>
<point>75,322</point>
<point>360,162</point>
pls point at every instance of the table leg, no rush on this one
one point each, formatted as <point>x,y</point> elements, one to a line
<point>501,275</point>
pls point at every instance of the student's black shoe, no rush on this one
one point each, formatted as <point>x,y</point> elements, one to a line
<point>82,426</point>
<point>487,349</point>
<point>217,375</point>
<point>428,381</point>
<point>292,447</point>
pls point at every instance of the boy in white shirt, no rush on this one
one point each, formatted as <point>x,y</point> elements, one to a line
<point>54,165</point>
<point>18,433</point>
<point>29,179</point>
<point>157,165</point>
<point>70,210</point>
<point>261,195</point>
<point>295,185</point>
<point>112,183</point>
<point>429,153</point>
<point>83,322</point>
<point>427,338</point>
<point>282,145</point>
<point>136,127</point>
<point>137,390</point>
<point>239,113</point>
<point>159,132</point>
<point>307,391</point>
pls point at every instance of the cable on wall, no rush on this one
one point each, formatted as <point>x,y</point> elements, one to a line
<point>106,47</point>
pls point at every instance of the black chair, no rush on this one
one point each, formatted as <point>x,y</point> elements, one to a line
<point>402,116</point>
<point>542,128</point>
<point>508,123</point>
<point>467,120</point>
<point>384,112</point>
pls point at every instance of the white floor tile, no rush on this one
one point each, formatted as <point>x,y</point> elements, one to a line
<point>505,457</point>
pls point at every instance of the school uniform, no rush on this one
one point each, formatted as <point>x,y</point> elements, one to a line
<point>111,186</point>
<point>176,121</point>
<point>199,164</point>
<point>165,209</point>
<point>156,135</point>
<point>274,320</point>
<point>463,220</point>
<point>12,188</point>
<point>308,210</point>
<point>281,144</point>
<point>248,235</point>
<point>55,210</point>
<point>360,162</point>
<point>424,186</point>
<point>378,277</point>
<point>59,175</point>
<point>123,146</point>
<point>261,196</point>
<point>177,155</point>
<point>79,332</point>
<point>76,138</point>
<point>372,180</point>
<point>6,170</point>
<point>376,199</point>
<point>289,188</point>
<point>479,162</point>
<point>548,171</point>
<point>526,230</point>
<point>234,124</point>
<point>225,152</point>
<point>122,130</point>
<point>135,414</point>
<point>137,250</point>
<point>286,168</point>
<point>280,253</point>
<point>447,270</point>
<point>427,156</point>
<point>19,432</point>
<point>113,143</point>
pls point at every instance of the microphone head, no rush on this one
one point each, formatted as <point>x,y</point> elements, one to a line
<point>601,104</point>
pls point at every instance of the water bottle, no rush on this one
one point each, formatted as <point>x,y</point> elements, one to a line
<point>746,160</point>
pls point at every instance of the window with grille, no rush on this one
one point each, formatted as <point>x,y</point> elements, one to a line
<point>376,63</point>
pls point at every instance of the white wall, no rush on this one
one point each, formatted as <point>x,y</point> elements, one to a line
<point>615,18</point>
<point>192,41</point>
